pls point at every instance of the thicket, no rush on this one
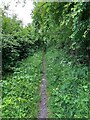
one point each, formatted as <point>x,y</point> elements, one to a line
<point>66,27</point>
<point>21,56</point>
<point>17,42</point>
<point>66,23</point>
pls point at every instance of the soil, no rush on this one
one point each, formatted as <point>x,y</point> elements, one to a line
<point>43,103</point>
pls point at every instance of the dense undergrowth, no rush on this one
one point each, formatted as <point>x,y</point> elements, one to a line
<point>20,91</point>
<point>68,88</point>
<point>17,43</point>
<point>65,24</point>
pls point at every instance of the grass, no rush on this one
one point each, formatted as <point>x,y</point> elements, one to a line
<point>20,91</point>
<point>68,88</point>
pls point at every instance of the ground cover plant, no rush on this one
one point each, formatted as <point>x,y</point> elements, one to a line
<point>20,91</point>
<point>68,88</point>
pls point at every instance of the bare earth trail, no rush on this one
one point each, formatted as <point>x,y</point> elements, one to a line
<point>43,103</point>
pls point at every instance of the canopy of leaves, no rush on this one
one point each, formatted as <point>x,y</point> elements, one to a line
<point>65,23</point>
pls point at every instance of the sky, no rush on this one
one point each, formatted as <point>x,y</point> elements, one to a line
<point>23,12</point>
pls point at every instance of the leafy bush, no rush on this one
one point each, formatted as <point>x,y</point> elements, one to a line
<point>67,24</point>
<point>17,42</point>
<point>68,88</point>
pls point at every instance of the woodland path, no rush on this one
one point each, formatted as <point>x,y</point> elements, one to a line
<point>43,103</point>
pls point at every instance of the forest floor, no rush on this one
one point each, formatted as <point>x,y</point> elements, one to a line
<point>43,92</point>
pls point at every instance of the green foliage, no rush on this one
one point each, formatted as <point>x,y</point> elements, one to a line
<point>20,91</point>
<point>68,88</point>
<point>17,41</point>
<point>67,24</point>
<point>80,32</point>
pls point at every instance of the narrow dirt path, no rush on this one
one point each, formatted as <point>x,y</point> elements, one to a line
<point>43,102</point>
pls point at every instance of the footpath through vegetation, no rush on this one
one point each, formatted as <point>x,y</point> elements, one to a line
<point>43,113</point>
<point>59,89</point>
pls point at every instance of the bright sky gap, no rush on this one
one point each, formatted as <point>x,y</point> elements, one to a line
<point>22,11</point>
